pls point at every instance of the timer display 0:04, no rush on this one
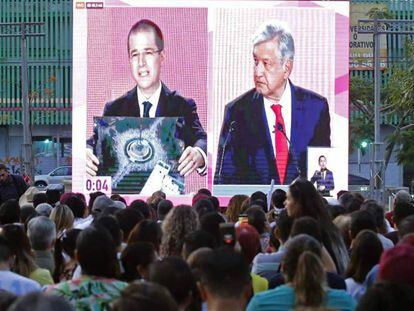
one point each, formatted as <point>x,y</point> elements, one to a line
<point>97,185</point>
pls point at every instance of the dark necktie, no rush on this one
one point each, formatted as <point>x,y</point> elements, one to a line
<point>282,150</point>
<point>147,107</point>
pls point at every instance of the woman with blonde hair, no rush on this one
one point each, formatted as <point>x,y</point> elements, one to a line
<point>305,281</point>
<point>179,222</point>
<point>63,217</point>
<point>234,208</point>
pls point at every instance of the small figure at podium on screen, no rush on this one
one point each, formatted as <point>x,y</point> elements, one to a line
<point>323,178</point>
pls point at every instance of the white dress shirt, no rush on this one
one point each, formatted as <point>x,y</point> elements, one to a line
<point>286,103</point>
<point>154,99</point>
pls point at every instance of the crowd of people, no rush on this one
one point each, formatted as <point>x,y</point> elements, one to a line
<point>59,251</point>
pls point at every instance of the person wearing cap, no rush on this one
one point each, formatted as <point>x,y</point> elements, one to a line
<point>11,186</point>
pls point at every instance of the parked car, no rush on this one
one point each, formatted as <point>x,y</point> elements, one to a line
<point>58,176</point>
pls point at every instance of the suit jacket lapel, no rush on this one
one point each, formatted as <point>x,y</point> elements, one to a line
<point>132,102</point>
<point>162,107</point>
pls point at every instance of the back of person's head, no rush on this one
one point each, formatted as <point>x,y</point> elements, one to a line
<point>350,202</point>
<point>44,209</point>
<point>170,272</point>
<point>142,206</point>
<point>39,198</point>
<point>96,252</point>
<point>128,218</point>
<point>5,250</point>
<point>41,232</point>
<point>118,197</point>
<point>144,296</point>
<point>216,203</point>
<point>396,264</point>
<point>406,226</point>
<point>278,198</point>
<point>234,208</point>
<point>258,203</point>
<point>402,196</point>
<point>401,211</point>
<point>366,253</point>
<point>92,198</point>
<point>77,206</point>
<point>41,302</point>
<point>306,225</point>
<point>103,205</point>
<point>65,243</point>
<point>387,296</point>
<point>210,223</point>
<point>136,259</point>
<point>249,241</point>
<point>197,197</point>
<point>204,191</point>
<point>25,212</point>
<point>258,195</point>
<point>111,224</point>
<point>146,231</point>
<point>308,201</point>
<point>284,226</point>
<point>302,266</point>
<point>224,273</point>
<point>53,193</point>
<point>361,220</point>
<point>336,210</point>
<point>257,218</point>
<point>62,216</point>
<point>179,222</point>
<point>377,211</point>
<point>343,223</point>
<point>164,206</point>
<point>203,207</point>
<point>196,240</point>
<point>9,212</point>
<point>6,299</point>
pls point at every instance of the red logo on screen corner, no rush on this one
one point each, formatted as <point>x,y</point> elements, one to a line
<point>80,5</point>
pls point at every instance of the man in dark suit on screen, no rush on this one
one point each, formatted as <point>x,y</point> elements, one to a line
<point>323,178</point>
<point>266,131</point>
<point>152,98</point>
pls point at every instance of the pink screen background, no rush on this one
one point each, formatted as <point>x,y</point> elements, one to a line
<point>185,69</point>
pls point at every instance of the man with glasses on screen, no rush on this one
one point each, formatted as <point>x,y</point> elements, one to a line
<point>152,98</point>
<point>266,131</point>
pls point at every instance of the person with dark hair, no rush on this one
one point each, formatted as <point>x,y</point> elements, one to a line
<point>267,265</point>
<point>54,192</point>
<point>145,296</point>
<point>203,207</point>
<point>111,224</point>
<point>10,281</point>
<point>151,98</point>
<point>9,212</point>
<point>11,186</point>
<point>305,279</point>
<point>23,259</point>
<point>146,231</point>
<point>364,220</point>
<point>136,259</point>
<point>216,203</point>
<point>64,254</point>
<point>170,272</point>
<point>179,222</point>
<point>406,226</point>
<point>257,218</point>
<point>42,234</point>
<point>25,212</point>
<point>77,207</point>
<point>39,198</point>
<point>401,211</point>
<point>365,254</point>
<point>128,218</point>
<point>118,197</point>
<point>196,240</point>
<point>41,302</point>
<point>96,288</point>
<point>204,191</point>
<point>164,206</point>
<point>304,200</point>
<point>377,211</point>
<point>336,210</point>
<point>350,201</point>
<point>92,198</point>
<point>141,206</point>
<point>210,223</point>
<point>6,299</point>
<point>278,199</point>
<point>225,282</point>
<point>387,296</point>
